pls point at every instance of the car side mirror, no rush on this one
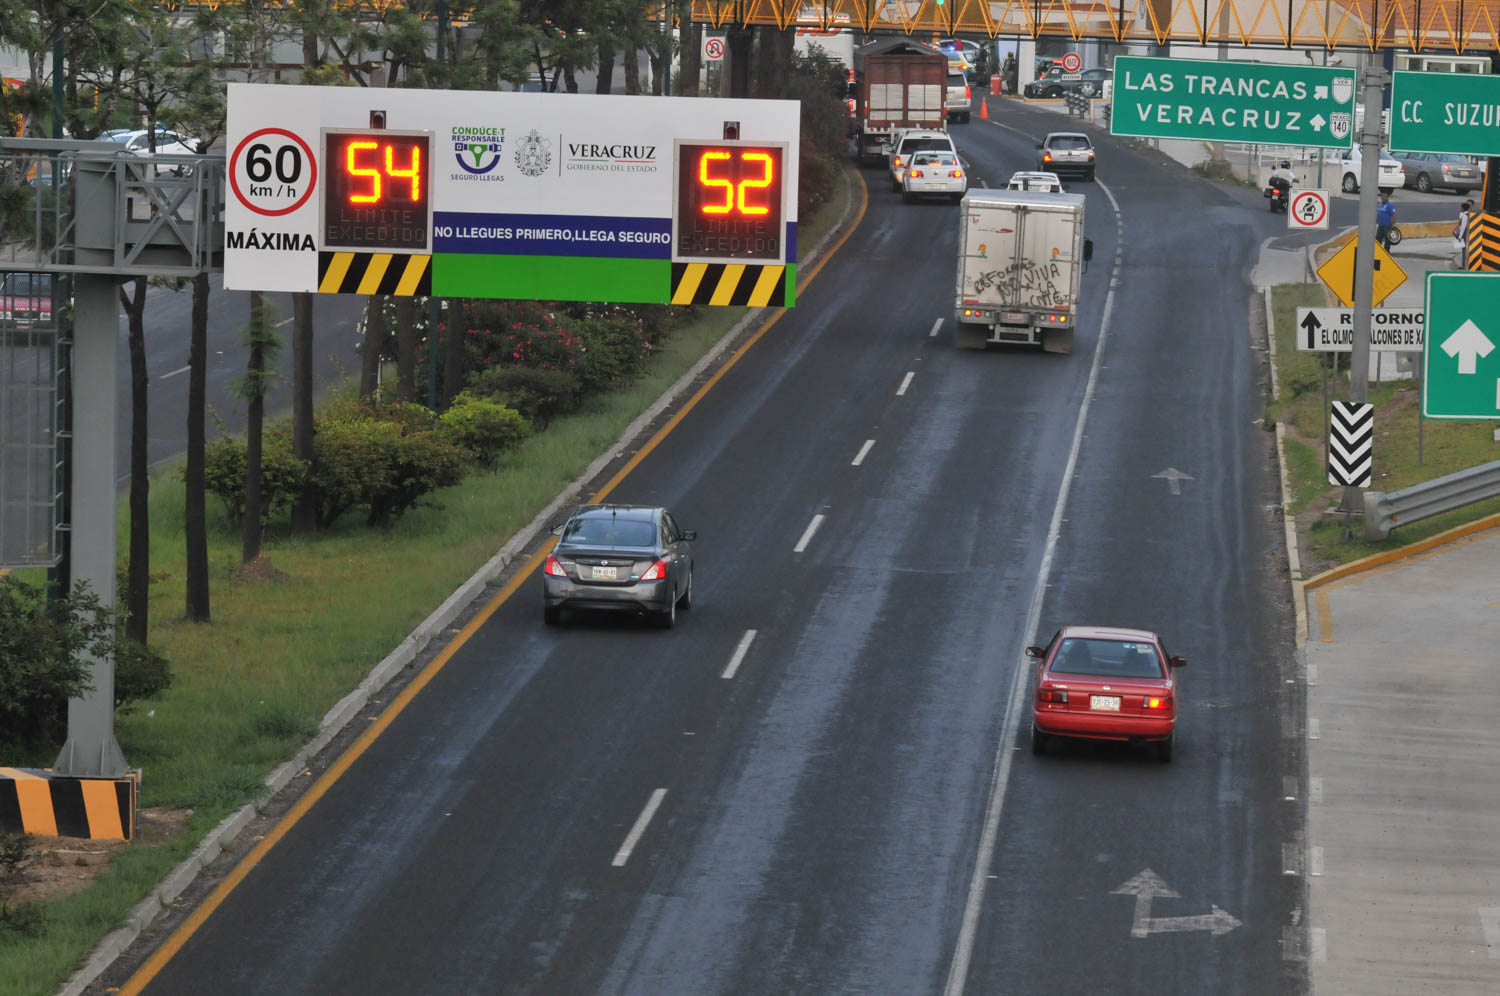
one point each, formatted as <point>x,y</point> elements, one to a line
<point>1088,250</point>
<point>1034,651</point>
<point>690,534</point>
<point>556,528</point>
<point>1039,145</point>
<point>1177,661</point>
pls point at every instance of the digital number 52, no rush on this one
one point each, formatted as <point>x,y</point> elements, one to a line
<point>734,194</point>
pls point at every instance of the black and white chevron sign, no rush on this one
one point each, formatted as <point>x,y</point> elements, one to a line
<point>1350,441</point>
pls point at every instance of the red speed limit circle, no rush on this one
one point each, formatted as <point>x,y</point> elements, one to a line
<point>273,171</point>
<point>1309,208</point>
<point>1072,62</point>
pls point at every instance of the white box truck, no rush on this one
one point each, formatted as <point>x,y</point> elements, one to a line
<point>1021,257</point>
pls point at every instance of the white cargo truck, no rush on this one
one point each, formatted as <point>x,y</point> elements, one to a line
<point>1021,257</point>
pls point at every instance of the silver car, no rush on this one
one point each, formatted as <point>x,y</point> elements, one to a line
<point>1428,171</point>
<point>1066,152</point>
<point>960,103</point>
<point>621,558</point>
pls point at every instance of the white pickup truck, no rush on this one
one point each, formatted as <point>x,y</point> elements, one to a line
<point>1021,257</point>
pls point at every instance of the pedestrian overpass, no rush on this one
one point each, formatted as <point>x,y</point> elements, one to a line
<point>1452,26</point>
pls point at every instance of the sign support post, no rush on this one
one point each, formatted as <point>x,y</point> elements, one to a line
<point>1364,270</point>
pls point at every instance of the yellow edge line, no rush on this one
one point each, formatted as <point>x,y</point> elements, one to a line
<point>215,899</point>
<point>1401,553</point>
<point>1325,616</point>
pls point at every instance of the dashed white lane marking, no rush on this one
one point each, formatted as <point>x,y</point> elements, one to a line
<point>634,837</point>
<point>174,373</point>
<point>1489,919</point>
<point>1312,729</point>
<point>1319,939</point>
<point>963,949</point>
<point>935,326</point>
<point>1315,790</point>
<point>739,654</point>
<point>1289,787</point>
<point>1315,861</point>
<point>905,383</point>
<point>864,451</point>
<point>807,534</point>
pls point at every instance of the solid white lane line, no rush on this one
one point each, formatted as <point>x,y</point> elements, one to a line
<point>623,854</point>
<point>864,451</point>
<point>905,383</point>
<point>807,535</point>
<point>935,326</point>
<point>174,373</point>
<point>963,951</point>
<point>739,654</point>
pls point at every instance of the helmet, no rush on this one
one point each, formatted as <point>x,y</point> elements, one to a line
<point>1286,164</point>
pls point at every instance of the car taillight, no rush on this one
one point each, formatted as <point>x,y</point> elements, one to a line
<point>554,568</point>
<point>966,94</point>
<point>1156,702</point>
<point>1445,167</point>
<point>1058,695</point>
<point>655,572</point>
<point>913,172</point>
<point>1046,157</point>
<point>956,173</point>
<point>899,162</point>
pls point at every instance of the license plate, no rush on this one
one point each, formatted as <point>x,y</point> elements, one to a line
<point>608,574</point>
<point>1014,317</point>
<point>1105,703</point>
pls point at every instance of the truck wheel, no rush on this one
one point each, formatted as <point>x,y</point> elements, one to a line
<point>1057,341</point>
<point>970,336</point>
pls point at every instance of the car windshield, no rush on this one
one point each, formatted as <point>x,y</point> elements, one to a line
<point>609,531</point>
<point>1069,142</point>
<point>1445,157</point>
<point>912,145</point>
<point>1109,658</point>
<point>957,79</point>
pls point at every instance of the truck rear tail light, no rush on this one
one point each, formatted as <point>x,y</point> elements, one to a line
<point>1055,695</point>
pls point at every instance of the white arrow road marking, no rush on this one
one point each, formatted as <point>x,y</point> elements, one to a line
<point>1489,919</point>
<point>1174,479</point>
<point>1147,886</point>
<point>1469,344</point>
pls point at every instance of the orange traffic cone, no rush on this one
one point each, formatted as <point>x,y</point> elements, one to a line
<point>984,109</point>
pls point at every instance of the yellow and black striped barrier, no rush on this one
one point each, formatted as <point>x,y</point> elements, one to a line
<point>1482,251</point>
<point>39,802</point>
<point>729,283</point>
<point>374,273</point>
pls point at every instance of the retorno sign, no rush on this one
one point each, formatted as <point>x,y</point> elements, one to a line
<point>507,195</point>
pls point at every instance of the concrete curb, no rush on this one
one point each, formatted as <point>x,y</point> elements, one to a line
<point>222,837</point>
<point>1385,557</point>
<point>1288,520</point>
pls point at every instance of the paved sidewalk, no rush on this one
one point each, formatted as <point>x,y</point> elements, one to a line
<point>1403,842</point>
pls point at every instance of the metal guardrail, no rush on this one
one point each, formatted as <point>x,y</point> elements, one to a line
<point>1385,511</point>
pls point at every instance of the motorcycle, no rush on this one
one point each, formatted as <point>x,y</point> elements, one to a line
<point>1276,192</point>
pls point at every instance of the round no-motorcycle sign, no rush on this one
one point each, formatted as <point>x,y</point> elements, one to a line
<point>1308,209</point>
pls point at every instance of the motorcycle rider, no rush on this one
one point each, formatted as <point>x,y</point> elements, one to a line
<point>1279,184</point>
<point>1284,172</point>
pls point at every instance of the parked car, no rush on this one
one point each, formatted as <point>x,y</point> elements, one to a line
<point>138,142</point>
<point>960,103</point>
<point>623,558</point>
<point>1066,152</point>
<point>1428,171</point>
<point>1390,176</point>
<point>915,140</point>
<point>1105,683</point>
<point>1034,180</point>
<point>934,174</point>
<point>1056,83</point>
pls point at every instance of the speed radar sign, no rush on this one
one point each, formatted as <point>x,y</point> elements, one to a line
<point>273,171</point>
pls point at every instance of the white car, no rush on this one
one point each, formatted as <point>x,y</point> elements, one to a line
<point>1392,176</point>
<point>138,143</point>
<point>1034,180</point>
<point>915,140</point>
<point>934,174</point>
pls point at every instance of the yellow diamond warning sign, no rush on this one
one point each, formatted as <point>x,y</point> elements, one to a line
<point>1338,274</point>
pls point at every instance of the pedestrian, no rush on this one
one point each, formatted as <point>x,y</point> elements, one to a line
<point>1461,235</point>
<point>1385,217</point>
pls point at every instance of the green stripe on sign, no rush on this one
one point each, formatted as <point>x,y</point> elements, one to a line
<point>552,278</point>
<point>791,284</point>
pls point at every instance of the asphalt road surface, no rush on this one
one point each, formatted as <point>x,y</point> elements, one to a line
<point>168,323</point>
<point>854,807</point>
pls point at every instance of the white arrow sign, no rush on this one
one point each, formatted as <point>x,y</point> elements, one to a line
<point>1174,478</point>
<point>1147,886</point>
<point>1470,345</point>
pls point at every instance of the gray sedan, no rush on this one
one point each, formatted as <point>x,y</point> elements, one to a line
<point>1438,171</point>
<point>624,558</point>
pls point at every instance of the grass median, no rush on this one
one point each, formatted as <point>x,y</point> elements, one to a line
<point>252,686</point>
<point>1408,449</point>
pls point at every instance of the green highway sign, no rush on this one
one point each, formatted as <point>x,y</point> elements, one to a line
<point>1445,112</point>
<point>1461,361</point>
<point>1252,102</point>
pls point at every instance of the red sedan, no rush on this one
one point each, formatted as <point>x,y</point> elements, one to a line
<point>1103,683</point>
